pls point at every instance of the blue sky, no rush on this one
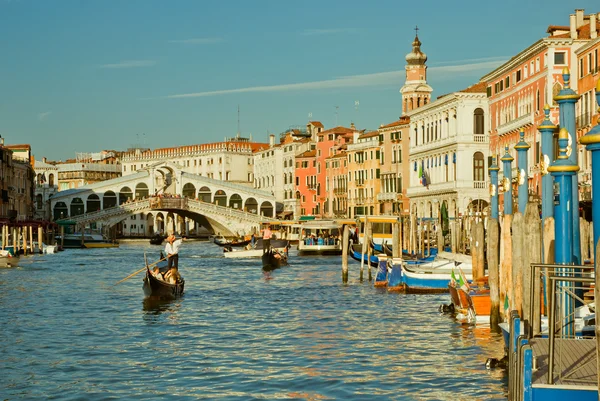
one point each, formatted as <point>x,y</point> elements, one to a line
<point>82,76</point>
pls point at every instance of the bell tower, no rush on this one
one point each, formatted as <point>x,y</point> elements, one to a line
<point>415,92</point>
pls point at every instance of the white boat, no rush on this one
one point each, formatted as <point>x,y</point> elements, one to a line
<point>320,237</point>
<point>49,249</point>
<point>7,260</point>
<point>246,253</point>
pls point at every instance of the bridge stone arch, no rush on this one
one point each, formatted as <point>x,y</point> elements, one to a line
<point>266,209</point>
<point>93,203</point>
<point>109,199</point>
<point>61,210</point>
<point>205,194</point>
<point>235,201</point>
<point>141,190</point>
<point>251,206</point>
<point>125,194</point>
<point>220,198</point>
<point>77,207</point>
<point>188,191</point>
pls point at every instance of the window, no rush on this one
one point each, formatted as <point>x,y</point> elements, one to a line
<point>519,76</point>
<point>489,91</point>
<point>559,58</point>
<point>478,122</point>
<point>581,68</point>
<point>590,63</point>
<point>478,167</point>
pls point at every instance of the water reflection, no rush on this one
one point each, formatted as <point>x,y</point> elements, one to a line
<point>156,306</point>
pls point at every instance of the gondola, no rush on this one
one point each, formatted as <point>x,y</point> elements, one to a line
<point>222,241</point>
<point>355,252</point>
<point>155,288</point>
<point>272,260</point>
<point>157,239</point>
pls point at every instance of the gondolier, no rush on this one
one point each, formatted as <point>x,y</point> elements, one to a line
<point>267,234</point>
<point>172,250</point>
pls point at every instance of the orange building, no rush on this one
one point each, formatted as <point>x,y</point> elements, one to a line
<point>329,142</point>
<point>306,183</point>
<point>518,90</point>
<point>395,167</point>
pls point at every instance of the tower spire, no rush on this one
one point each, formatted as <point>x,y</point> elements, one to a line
<point>415,92</point>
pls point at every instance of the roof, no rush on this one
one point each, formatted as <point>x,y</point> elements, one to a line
<point>403,120</point>
<point>22,146</point>
<point>338,130</point>
<point>308,153</point>
<point>480,87</point>
<point>338,155</point>
<point>583,32</point>
<point>316,124</point>
<point>370,134</point>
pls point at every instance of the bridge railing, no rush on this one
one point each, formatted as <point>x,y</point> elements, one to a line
<point>224,210</point>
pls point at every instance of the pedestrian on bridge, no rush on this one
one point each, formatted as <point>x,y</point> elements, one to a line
<point>172,250</point>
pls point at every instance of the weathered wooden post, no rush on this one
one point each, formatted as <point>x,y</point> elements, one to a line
<point>532,254</point>
<point>369,251</point>
<point>62,237</point>
<point>518,238</point>
<point>493,273</point>
<point>4,236</point>
<point>428,237</point>
<point>24,234</point>
<point>82,236</point>
<point>597,297</point>
<point>566,99</point>
<point>31,245</point>
<point>396,240</point>
<point>364,248</point>
<point>477,254</point>
<point>40,236</point>
<point>506,283</point>
<point>563,171</point>
<point>584,228</point>
<point>345,242</point>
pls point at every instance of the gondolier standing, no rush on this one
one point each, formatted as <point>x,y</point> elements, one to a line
<point>267,234</point>
<point>172,250</point>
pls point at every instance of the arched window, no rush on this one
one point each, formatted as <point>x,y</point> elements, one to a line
<point>478,167</point>
<point>478,122</point>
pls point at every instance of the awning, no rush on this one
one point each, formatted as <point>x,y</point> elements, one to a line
<point>306,218</point>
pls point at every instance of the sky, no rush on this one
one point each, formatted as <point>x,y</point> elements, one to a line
<point>85,76</point>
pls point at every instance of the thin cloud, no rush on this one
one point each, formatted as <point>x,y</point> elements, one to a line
<point>197,41</point>
<point>352,81</point>
<point>326,31</point>
<point>42,116</point>
<point>130,64</point>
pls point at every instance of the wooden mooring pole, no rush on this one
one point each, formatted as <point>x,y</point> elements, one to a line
<point>477,251</point>
<point>506,281</point>
<point>396,240</point>
<point>532,254</point>
<point>518,238</point>
<point>493,273</point>
<point>345,243</point>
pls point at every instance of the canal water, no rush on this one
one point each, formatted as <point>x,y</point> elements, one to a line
<point>238,333</point>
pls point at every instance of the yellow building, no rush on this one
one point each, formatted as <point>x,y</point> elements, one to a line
<point>364,174</point>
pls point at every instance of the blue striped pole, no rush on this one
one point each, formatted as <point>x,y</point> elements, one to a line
<point>547,130</point>
<point>592,142</point>
<point>522,147</point>
<point>507,182</point>
<point>563,170</point>
<point>566,100</point>
<point>494,187</point>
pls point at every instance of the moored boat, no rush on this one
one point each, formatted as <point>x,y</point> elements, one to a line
<point>430,279</point>
<point>355,252</point>
<point>381,278</point>
<point>8,260</point>
<point>157,239</point>
<point>247,253</point>
<point>320,237</point>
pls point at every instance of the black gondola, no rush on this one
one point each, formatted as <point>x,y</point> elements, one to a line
<point>157,239</point>
<point>272,260</point>
<point>156,288</point>
<point>355,252</point>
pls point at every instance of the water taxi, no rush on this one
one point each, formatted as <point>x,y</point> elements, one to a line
<point>320,237</point>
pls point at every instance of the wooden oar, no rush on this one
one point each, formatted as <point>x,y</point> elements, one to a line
<point>139,271</point>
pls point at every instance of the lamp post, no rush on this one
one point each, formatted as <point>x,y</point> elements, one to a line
<point>522,177</point>
<point>547,130</point>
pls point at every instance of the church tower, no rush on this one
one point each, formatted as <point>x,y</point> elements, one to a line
<point>415,92</point>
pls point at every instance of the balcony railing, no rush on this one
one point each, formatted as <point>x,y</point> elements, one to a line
<point>583,121</point>
<point>480,138</point>
<point>479,184</point>
<point>387,196</point>
<point>515,124</point>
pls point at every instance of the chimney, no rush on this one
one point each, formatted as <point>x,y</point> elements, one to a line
<point>271,140</point>
<point>593,29</point>
<point>579,17</point>
<point>44,159</point>
<point>572,26</point>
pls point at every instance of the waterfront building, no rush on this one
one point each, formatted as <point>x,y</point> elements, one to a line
<point>329,142</point>
<point>306,182</point>
<point>336,186</point>
<point>449,148</point>
<point>293,142</point>
<point>588,73</point>
<point>364,174</point>
<point>17,182</point>
<point>395,171</point>
<point>230,160</point>
<point>518,90</point>
<point>268,164</point>
<point>46,186</point>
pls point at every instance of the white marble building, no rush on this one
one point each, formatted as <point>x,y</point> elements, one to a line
<point>449,148</point>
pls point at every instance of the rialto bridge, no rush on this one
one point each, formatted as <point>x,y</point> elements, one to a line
<point>167,199</point>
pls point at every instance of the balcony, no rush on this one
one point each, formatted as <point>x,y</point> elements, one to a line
<point>339,191</point>
<point>387,196</point>
<point>479,184</point>
<point>516,124</point>
<point>359,183</point>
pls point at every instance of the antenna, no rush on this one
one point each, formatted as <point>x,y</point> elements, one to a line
<point>238,121</point>
<point>309,115</point>
<point>336,115</point>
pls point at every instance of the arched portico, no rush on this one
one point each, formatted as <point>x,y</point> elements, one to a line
<point>220,198</point>
<point>235,201</point>
<point>93,203</point>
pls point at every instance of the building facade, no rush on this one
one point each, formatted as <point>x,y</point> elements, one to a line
<point>395,147</point>
<point>364,174</point>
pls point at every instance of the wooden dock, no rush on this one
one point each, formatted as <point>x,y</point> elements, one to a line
<point>574,362</point>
